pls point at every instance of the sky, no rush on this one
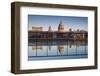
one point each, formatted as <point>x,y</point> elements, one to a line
<point>53,21</point>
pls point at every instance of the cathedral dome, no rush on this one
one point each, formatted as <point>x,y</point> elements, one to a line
<point>61,27</point>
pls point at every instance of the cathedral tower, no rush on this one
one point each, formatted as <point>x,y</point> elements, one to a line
<point>61,27</point>
<point>49,29</point>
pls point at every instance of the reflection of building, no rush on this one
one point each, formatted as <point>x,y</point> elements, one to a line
<point>37,29</point>
<point>38,33</point>
<point>61,49</point>
<point>49,47</point>
<point>36,47</point>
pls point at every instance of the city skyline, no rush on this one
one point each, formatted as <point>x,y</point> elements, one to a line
<point>69,22</point>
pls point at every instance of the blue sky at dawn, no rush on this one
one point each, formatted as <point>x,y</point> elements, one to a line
<point>53,21</point>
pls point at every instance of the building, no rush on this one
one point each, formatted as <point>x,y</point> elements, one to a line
<point>49,29</point>
<point>61,27</point>
<point>37,29</point>
<point>37,33</point>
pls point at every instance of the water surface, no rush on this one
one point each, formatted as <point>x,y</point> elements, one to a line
<point>57,50</point>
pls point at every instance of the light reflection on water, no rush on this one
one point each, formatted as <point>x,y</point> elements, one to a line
<point>58,50</point>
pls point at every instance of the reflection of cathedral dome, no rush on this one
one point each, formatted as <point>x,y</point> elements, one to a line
<point>61,49</point>
<point>61,27</point>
